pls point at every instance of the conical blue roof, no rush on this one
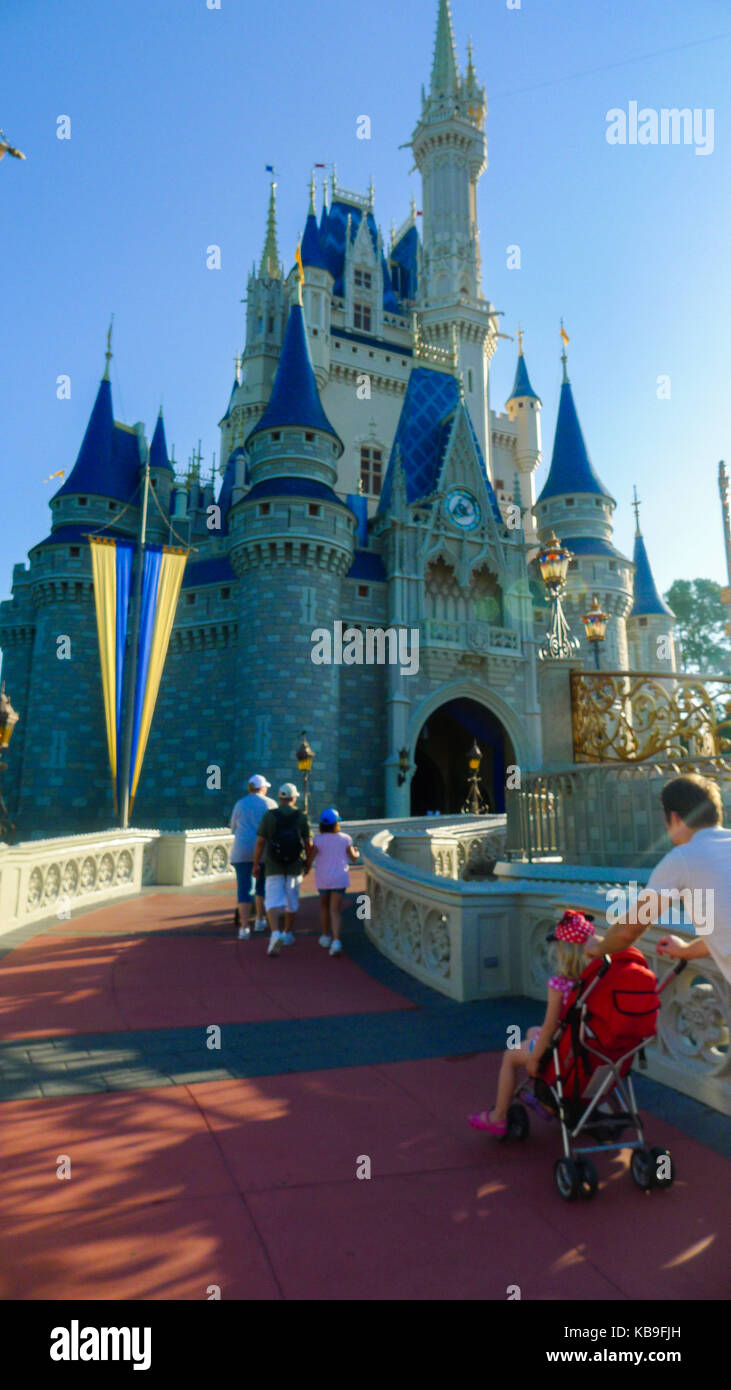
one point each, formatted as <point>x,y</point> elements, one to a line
<point>108,461</point>
<point>311,248</point>
<point>647,600</point>
<point>158,448</point>
<point>521,385</point>
<point>571,470</point>
<point>294,399</point>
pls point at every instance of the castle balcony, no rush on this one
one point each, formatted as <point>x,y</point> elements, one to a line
<point>471,635</point>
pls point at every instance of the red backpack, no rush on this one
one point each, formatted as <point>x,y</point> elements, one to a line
<point>621,1012</point>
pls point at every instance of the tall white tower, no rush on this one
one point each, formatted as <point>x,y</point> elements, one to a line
<point>450,152</point>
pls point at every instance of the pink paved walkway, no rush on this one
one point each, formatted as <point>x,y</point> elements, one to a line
<point>251,1185</point>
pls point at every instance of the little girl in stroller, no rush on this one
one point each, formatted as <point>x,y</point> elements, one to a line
<point>571,936</point>
<point>600,1014</point>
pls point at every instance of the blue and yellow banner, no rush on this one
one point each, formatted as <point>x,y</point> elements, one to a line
<point>161,580</point>
<point>162,576</point>
<point>111,563</point>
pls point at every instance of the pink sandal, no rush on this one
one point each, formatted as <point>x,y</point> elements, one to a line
<point>482,1121</point>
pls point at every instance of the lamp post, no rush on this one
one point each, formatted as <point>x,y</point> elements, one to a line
<point>595,626</point>
<point>8,721</point>
<point>553,562</point>
<point>305,759</point>
<point>474,804</point>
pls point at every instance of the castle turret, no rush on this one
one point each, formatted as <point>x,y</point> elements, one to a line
<point>524,409</point>
<point>450,151</point>
<point>575,503</point>
<point>651,622</point>
<point>162,479</point>
<point>266,316</point>
<point>293,539</point>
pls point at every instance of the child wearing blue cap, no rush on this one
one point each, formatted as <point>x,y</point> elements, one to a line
<point>334,853</point>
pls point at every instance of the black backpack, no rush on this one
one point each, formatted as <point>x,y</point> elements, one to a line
<point>286,844</point>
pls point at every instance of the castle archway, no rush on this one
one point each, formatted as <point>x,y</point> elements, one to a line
<point>440,781</point>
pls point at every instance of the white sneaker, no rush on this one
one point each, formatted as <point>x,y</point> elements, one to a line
<point>244,933</point>
<point>336,948</point>
<point>275,943</point>
<point>288,938</point>
<point>324,941</point>
<point>260,924</point>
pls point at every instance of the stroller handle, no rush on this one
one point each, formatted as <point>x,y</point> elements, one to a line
<point>678,969</point>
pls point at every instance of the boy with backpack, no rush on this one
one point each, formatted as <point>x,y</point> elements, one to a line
<point>285,839</point>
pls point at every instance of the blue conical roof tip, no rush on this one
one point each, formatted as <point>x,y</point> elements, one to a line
<point>108,462</point>
<point>647,599</point>
<point>295,399</point>
<point>158,448</point>
<point>521,385</point>
<point>571,470</point>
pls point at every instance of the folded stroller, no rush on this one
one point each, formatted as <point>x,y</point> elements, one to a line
<point>605,1023</point>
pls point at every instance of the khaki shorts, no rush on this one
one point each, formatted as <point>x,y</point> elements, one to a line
<point>282,892</point>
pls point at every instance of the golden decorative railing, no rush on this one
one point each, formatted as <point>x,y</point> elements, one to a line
<point>626,718</point>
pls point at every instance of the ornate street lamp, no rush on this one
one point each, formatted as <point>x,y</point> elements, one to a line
<point>305,759</point>
<point>404,765</point>
<point>8,721</point>
<point>474,805</point>
<point>595,626</point>
<point>553,562</point>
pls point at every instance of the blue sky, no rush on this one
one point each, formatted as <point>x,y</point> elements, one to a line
<point>175,110</point>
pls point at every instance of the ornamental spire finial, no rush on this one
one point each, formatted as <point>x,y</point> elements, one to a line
<point>444,73</point>
<point>564,358</point>
<point>108,354</point>
<point>269,268</point>
<point>636,509</point>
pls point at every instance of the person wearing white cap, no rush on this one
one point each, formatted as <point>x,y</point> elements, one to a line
<point>285,841</point>
<point>245,820</point>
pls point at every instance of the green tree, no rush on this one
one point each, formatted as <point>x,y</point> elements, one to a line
<point>701,626</point>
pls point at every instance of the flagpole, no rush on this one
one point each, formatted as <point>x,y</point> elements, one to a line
<point>134,644</point>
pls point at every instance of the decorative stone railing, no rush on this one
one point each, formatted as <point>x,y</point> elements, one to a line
<point>601,813</point>
<point>464,847</point>
<point>476,635</point>
<point>46,878</point>
<point>487,940</point>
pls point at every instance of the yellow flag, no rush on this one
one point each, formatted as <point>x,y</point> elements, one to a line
<point>61,474</point>
<point>564,336</point>
<point>300,267</point>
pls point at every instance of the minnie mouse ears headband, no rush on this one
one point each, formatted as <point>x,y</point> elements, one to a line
<point>575,926</point>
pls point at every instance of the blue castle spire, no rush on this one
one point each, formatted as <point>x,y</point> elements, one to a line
<point>158,448</point>
<point>521,386</point>
<point>294,399</point>
<point>108,462</point>
<point>647,599</point>
<point>571,469</point>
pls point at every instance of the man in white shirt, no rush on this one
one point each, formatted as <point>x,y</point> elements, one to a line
<point>696,872</point>
<point>245,821</point>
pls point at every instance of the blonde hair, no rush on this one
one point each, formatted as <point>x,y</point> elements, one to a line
<point>570,958</point>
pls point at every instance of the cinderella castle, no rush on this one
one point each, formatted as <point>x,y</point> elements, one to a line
<point>366,481</point>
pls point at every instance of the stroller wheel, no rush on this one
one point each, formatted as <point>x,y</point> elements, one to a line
<point>642,1169</point>
<point>662,1168</point>
<point>566,1178</point>
<point>518,1121</point>
<point>588,1178</point>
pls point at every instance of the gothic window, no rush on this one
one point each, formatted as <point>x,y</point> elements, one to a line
<point>470,385</point>
<point>444,598</point>
<point>371,470</point>
<point>260,324</point>
<point>314,307</point>
<point>362,317</point>
<point>74,552</point>
<point>362,279</point>
<point>270,324</point>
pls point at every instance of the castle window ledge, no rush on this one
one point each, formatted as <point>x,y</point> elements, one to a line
<point>471,635</point>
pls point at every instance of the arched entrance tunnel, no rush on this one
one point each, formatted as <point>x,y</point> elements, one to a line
<point>440,782</point>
